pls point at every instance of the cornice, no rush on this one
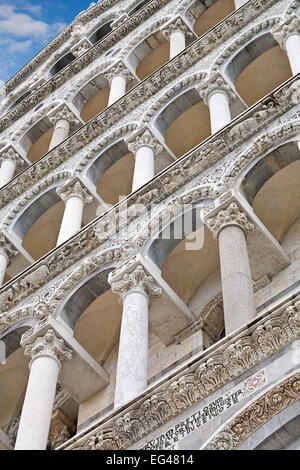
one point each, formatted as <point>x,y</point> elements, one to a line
<point>192,54</point>
<point>103,121</point>
<point>208,372</point>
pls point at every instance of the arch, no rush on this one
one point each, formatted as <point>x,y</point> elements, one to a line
<point>18,100</point>
<point>203,16</point>
<point>137,7</point>
<point>12,336</point>
<point>255,64</point>
<point>101,32</point>
<point>42,206</point>
<point>90,93</point>
<point>61,64</point>
<point>185,113</point>
<point>255,414</point>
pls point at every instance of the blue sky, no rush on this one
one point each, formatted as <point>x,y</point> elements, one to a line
<point>27,26</point>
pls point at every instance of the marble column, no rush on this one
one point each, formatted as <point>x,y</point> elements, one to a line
<point>7,251</point>
<point>217,94</point>
<point>144,146</point>
<point>118,77</point>
<point>75,196</point>
<point>62,119</point>
<point>135,288</point>
<point>239,3</point>
<point>47,353</point>
<point>9,160</point>
<point>288,37</point>
<point>176,33</point>
<point>230,226</point>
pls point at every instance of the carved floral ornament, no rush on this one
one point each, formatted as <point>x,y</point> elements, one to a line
<point>191,55</point>
<point>65,114</point>
<point>256,414</point>
<point>176,25</point>
<point>230,215</point>
<point>144,139</point>
<point>74,189</point>
<point>10,154</point>
<point>7,249</point>
<point>136,281</point>
<point>216,85</point>
<point>283,31</point>
<point>170,399</point>
<point>118,70</point>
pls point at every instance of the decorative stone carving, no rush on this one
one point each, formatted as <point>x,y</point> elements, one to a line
<point>118,69</point>
<point>63,113</point>
<point>144,139</point>
<point>176,25</point>
<point>72,189</point>
<point>7,249</point>
<point>232,215</point>
<point>215,85</point>
<point>137,281</point>
<point>48,345</point>
<point>284,30</point>
<point>256,414</point>
<point>80,48</point>
<point>9,153</point>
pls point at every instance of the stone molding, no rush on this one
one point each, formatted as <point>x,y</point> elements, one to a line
<point>191,55</point>
<point>176,25</point>
<point>240,353</point>
<point>284,30</point>
<point>216,85</point>
<point>9,153</point>
<point>143,138</point>
<point>48,345</point>
<point>135,281</point>
<point>74,188</point>
<point>7,248</point>
<point>81,47</point>
<point>261,410</point>
<point>63,113</point>
<point>227,211</point>
<point>118,70</point>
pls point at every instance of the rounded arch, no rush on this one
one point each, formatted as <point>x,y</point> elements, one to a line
<point>181,111</point>
<point>204,16</point>
<point>35,221</point>
<point>60,64</point>
<point>101,31</point>
<point>91,91</point>
<point>255,64</point>
<point>254,415</point>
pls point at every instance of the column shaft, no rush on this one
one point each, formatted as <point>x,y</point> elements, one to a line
<point>7,171</point>
<point>3,266</point>
<point>292,45</point>
<point>38,404</point>
<point>132,369</point>
<point>237,286</point>
<point>72,218</point>
<point>177,43</point>
<point>117,89</point>
<point>61,132</point>
<point>143,167</point>
<point>219,110</point>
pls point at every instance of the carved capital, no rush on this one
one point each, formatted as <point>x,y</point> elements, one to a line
<point>118,70</point>
<point>144,139</point>
<point>74,188</point>
<point>9,153</point>
<point>48,345</point>
<point>286,29</point>
<point>216,85</point>
<point>232,215</point>
<point>176,25</point>
<point>7,249</point>
<point>63,113</point>
<point>80,48</point>
<point>136,281</point>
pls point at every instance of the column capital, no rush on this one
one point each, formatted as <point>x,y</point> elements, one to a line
<point>224,212</point>
<point>10,153</point>
<point>282,31</point>
<point>47,345</point>
<point>7,249</point>
<point>81,47</point>
<point>63,112</point>
<point>217,84</point>
<point>176,25</point>
<point>118,70</point>
<point>74,188</point>
<point>143,138</point>
<point>135,281</point>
